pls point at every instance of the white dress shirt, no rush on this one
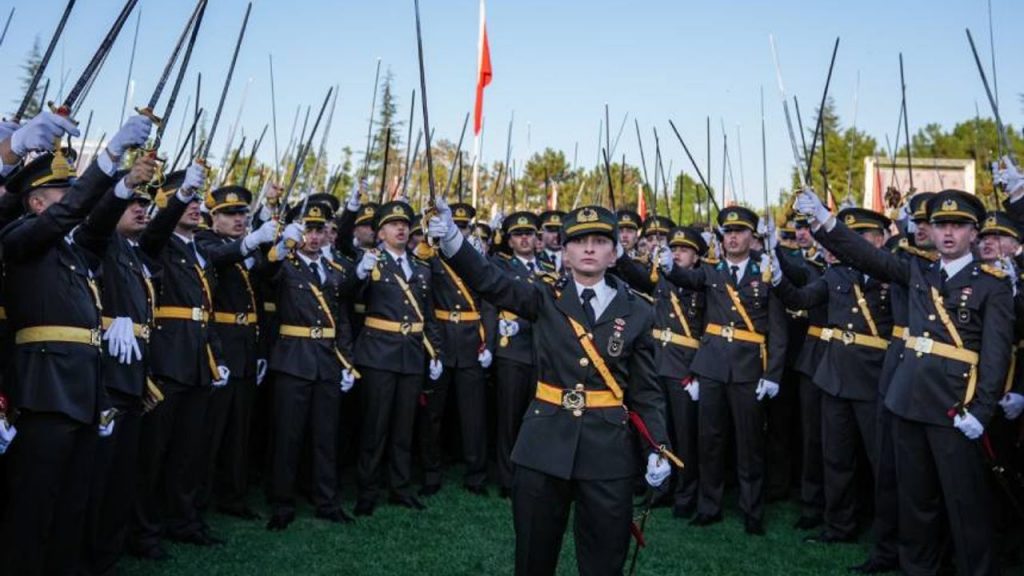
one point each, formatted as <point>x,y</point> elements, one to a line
<point>319,266</point>
<point>603,295</point>
<point>953,266</point>
<point>742,268</point>
<point>402,258</point>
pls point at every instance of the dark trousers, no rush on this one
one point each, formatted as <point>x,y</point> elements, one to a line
<point>226,449</point>
<point>942,474</point>
<point>683,416</point>
<point>717,401</point>
<point>812,488</point>
<point>516,386</point>
<point>540,511</point>
<point>389,415</point>
<point>887,499</point>
<point>471,405</point>
<point>170,466</point>
<point>50,472</point>
<point>113,488</point>
<point>845,425</point>
<point>296,403</point>
<point>780,443</point>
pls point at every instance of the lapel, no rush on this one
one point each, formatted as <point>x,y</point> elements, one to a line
<point>751,273</point>
<point>570,305</point>
<point>961,278</point>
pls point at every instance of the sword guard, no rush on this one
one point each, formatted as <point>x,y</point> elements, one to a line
<point>148,113</point>
<point>61,111</point>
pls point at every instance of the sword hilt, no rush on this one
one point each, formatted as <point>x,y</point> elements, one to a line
<point>148,113</point>
<point>61,110</point>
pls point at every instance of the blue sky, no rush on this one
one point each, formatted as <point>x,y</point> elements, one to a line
<point>556,64</point>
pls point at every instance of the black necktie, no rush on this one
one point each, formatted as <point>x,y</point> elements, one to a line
<point>400,261</point>
<point>315,267</point>
<point>529,266</point>
<point>943,276</point>
<point>587,295</point>
<point>735,272</point>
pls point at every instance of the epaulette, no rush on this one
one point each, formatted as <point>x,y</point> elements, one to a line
<point>336,266</point>
<point>504,256</point>
<point>915,251</point>
<point>711,261</point>
<point>649,299</point>
<point>993,271</point>
<point>548,278</point>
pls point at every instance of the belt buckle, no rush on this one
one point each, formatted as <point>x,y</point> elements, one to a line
<point>849,337</point>
<point>454,316</point>
<point>666,336</point>
<point>316,332</point>
<point>241,318</point>
<point>197,314</point>
<point>826,334</point>
<point>95,337</point>
<point>405,328</point>
<point>575,400</point>
<point>923,346</point>
<point>144,332</point>
<point>727,333</point>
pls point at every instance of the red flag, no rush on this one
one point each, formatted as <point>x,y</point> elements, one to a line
<point>641,204</point>
<point>484,72</point>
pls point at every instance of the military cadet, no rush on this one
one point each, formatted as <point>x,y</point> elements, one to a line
<point>400,338</point>
<point>550,254</point>
<point>595,355</point>
<point>629,230</point>
<point>485,233</point>
<point>678,326</point>
<point>461,316</point>
<point>514,362</point>
<point>232,253</point>
<point>948,383</point>
<point>312,364</point>
<point>57,400</point>
<point>857,333</point>
<point>738,366</point>
<point>656,230</point>
<point>187,363</point>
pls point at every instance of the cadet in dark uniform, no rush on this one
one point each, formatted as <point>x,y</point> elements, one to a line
<point>629,230</point>
<point>57,401</point>
<point>232,255</point>
<point>400,338</point>
<point>575,443</point>
<point>461,316</point>
<point>678,326</point>
<point>857,335</point>
<point>550,255</point>
<point>946,388</point>
<point>739,364</point>
<point>514,360</point>
<point>311,365</point>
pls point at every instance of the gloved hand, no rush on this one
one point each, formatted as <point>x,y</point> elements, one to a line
<point>807,202</point>
<point>224,373</point>
<point>496,220</point>
<point>1009,177</point>
<point>293,234</point>
<point>476,243</point>
<point>7,434</point>
<point>485,358</point>
<point>693,389</point>
<point>666,260</point>
<point>905,213</point>
<point>435,369</point>
<point>771,239</point>
<point>508,328</point>
<point>262,235</point>
<point>658,470</point>
<point>105,430</point>
<point>366,264</point>
<point>766,388</point>
<point>41,133</point>
<point>1013,405</point>
<point>121,341</point>
<point>261,370</point>
<point>132,134</point>
<point>442,227</point>
<point>348,380</point>
<point>352,203</point>
<point>969,425</point>
<point>1006,264</point>
<point>7,128</point>
<point>776,267</point>
<point>195,179</point>
<point>619,250</point>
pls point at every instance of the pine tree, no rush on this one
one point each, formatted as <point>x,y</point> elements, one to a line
<point>31,64</point>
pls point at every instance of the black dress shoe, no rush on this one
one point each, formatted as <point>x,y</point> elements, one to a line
<point>807,523</point>
<point>429,490</point>
<point>337,516</point>
<point>279,522</point>
<point>875,566</point>
<point>753,527</point>
<point>364,508</point>
<point>683,511</point>
<point>243,512</point>
<point>478,490</point>
<point>826,537</point>
<point>410,502</point>
<point>706,519</point>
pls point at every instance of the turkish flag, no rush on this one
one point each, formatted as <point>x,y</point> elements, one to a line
<point>641,203</point>
<point>484,72</point>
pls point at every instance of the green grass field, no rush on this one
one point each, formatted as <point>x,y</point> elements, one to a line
<point>462,534</point>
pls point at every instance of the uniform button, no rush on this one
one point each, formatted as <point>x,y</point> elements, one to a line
<point>849,326</point>
<point>733,308</point>
<point>405,301</point>
<point>671,314</point>
<point>405,317</point>
<point>927,335</point>
<point>584,362</point>
<point>931,317</point>
<point>854,310</point>
<point>536,411</point>
<point>458,306</point>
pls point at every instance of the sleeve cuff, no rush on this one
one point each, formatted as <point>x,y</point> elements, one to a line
<point>122,190</point>
<point>451,246</point>
<point>106,163</point>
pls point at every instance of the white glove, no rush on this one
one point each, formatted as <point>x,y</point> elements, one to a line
<point>121,341</point>
<point>658,470</point>
<point>348,380</point>
<point>911,227</point>
<point>442,227</point>
<point>366,264</point>
<point>435,369</point>
<point>261,370</point>
<point>497,220</point>
<point>262,235</point>
<point>7,434</point>
<point>905,213</point>
<point>7,128</point>
<point>476,243</point>
<point>508,328</point>
<point>969,425</point>
<point>485,358</point>
<point>693,389</point>
<point>1006,264</point>
<point>105,430</point>
<point>1013,405</point>
<point>195,179</point>
<point>1009,178</point>
<point>619,250</point>
<point>352,203</point>
<point>225,373</point>
<point>133,134</point>
<point>666,260</point>
<point>771,239</point>
<point>766,388</point>
<point>41,133</point>
<point>776,268</point>
<point>807,202</point>
<point>292,233</point>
